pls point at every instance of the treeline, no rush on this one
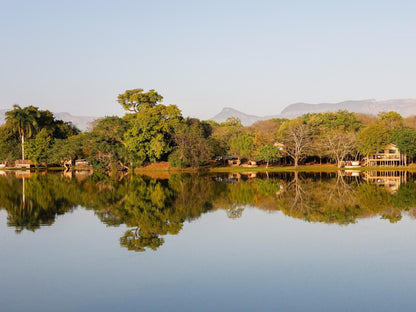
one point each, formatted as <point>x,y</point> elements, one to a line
<point>152,132</point>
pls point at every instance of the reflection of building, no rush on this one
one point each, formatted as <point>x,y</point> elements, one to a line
<point>23,173</point>
<point>351,173</point>
<point>389,156</point>
<point>390,180</point>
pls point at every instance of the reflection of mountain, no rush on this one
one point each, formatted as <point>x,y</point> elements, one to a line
<point>152,208</point>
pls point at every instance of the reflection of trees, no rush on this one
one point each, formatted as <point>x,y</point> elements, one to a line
<point>38,202</point>
<point>153,208</point>
<point>194,194</point>
<point>329,200</point>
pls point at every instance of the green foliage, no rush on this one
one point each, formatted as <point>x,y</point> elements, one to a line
<point>391,120</point>
<point>24,120</point>
<point>105,144</point>
<point>279,121</point>
<point>219,141</point>
<point>340,120</point>
<point>150,133</point>
<point>28,121</point>
<point>9,143</point>
<point>175,159</point>
<point>405,139</point>
<point>64,150</point>
<point>192,147</point>
<point>268,153</point>
<point>373,138</point>
<point>136,100</point>
<point>242,146</point>
<point>37,149</point>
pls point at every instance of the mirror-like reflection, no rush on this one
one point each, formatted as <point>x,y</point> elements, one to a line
<point>151,207</point>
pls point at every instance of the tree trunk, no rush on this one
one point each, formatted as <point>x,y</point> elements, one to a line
<point>23,146</point>
<point>296,161</point>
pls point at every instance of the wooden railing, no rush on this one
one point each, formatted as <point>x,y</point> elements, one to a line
<point>384,157</point>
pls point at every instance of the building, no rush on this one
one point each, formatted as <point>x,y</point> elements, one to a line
<point>390,156</point>
<point>23,163</point>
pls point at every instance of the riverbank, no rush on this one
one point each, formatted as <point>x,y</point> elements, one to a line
<point>166,168</point>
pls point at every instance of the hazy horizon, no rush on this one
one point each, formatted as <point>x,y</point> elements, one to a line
<point>77,56</point>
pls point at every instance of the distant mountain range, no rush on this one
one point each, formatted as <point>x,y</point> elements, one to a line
<point>81,122</point>
<point>405,107</point>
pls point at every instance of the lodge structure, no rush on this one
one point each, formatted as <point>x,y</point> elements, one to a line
<point>390,156</point>
<point>23,163</point>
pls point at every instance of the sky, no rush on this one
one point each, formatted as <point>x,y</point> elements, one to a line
<point>254,56</point>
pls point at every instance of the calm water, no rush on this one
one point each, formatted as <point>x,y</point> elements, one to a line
<point>277,242</point>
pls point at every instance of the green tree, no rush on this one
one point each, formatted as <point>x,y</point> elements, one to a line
<point>64,151</point>
<point>192,147</point>
<point>222,133</point>
<point>373,138</point>
<point>24,120</point>
<point>136,100</point>
<point>38,148</point>
<point>268,153</point>
<point>242,146</point>
<point>405,139</point>
<point>340,120</point>
<point>106,147</point>
<point>149,136</point>
<point>391,120</point>
<point>9,143</point>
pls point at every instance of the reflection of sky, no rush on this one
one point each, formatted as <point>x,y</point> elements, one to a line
<point>260,262</point>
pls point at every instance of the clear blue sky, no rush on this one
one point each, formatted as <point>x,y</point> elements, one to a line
<point>255,56</point>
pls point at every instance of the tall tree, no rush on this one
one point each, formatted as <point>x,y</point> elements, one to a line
<point>242,146</point>
<point>297,139</point>
<point>339,144</point>
<point>373,139</point>
<point>192,147</point>
<point>222,133</point>
<point>391,120</point>
<point>405,139</point>
<point>106,146</point>
<point>24,120</point>
<point>38,148</point>
<point>149,136</point>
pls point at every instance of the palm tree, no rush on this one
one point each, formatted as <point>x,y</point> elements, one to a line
<point>24,120</point>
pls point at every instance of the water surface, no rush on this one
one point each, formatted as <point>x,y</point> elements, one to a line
<point>229,242</point>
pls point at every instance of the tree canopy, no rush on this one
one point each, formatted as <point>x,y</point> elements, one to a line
<point>136,100</point>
